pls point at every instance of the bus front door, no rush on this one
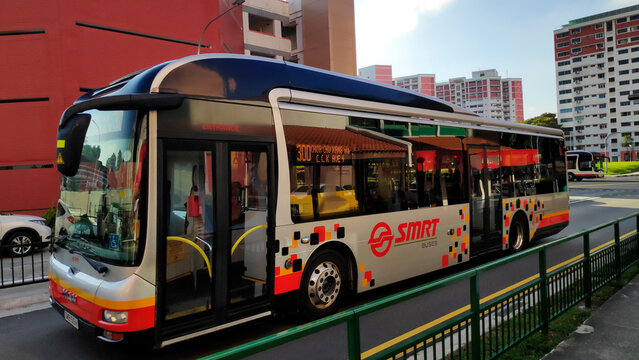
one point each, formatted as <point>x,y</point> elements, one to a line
<point>485,198</point>
<point>213,267</point>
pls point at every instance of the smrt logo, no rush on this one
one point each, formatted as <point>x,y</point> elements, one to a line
<point>382,236</point>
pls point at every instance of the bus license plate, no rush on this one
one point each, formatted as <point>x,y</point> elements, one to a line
<point>71,320</point>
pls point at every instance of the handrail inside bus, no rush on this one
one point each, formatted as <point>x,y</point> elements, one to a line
<point>199,249</point>
<point>244,235</point>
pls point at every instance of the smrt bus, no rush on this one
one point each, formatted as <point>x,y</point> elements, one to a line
<point>584,165</point>
<point>212,187</point>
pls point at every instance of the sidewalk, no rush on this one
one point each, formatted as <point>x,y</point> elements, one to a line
<point>612,332</point>
<point>21,299</point>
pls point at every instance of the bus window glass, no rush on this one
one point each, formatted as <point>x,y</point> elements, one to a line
<point>341,166</point>
<point>437,176</point>
<point>544,170</point>
<point>189,186</point>
<point>107,195</point>
<point>518,159</point>
<point>585,162</point>
<point>558,155</point>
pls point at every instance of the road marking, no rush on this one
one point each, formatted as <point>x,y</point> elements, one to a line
<point>578,199</point>
<point>461,310</point>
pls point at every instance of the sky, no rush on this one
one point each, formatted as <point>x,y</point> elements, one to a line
<point>453,38</point>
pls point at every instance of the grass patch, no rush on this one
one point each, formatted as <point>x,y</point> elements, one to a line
<point>622,167</point>
<point>538,344</point>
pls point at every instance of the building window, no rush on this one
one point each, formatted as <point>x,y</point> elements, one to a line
<point>622,20</point>
<point>564,63</point>
<point>562,35</point>
<point>621,31</point>
<point>599,36</point>
<point>563,111</point>
<point>623,62</point>
<point>577,59</point>
<point>565,82</point>
<point>622,41</point>
<point>575,31</point>
<point>623,51</point>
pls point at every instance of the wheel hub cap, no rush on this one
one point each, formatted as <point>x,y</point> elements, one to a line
<point>324,285</point>
<point>21,240</point>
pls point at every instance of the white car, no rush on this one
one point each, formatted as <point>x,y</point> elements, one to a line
<point>26,230</point>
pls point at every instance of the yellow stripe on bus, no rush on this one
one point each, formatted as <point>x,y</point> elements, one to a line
<point>461,310</point>
<point>107,304</point>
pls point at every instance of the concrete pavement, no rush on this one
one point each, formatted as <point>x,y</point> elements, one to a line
<point>20,299</point>
<point>612,331</point>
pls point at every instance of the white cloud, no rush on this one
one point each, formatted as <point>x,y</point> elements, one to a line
<point>378,22</point>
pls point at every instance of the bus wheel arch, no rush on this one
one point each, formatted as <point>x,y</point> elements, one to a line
<point>571,176</point>
<point>326,281</point>
<point>518,234</point>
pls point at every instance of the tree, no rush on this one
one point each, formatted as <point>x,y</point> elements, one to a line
<point>545,119</point>
<point>627,143</point>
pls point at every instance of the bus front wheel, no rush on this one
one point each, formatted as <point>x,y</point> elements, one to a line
<point>324,284</point>
<point>571,177</point>
<point>518,233</point>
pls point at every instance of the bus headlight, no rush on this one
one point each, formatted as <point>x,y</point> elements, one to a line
<point>115,317</point>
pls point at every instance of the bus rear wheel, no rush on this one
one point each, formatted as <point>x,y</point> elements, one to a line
<point>324,284</point>
<point>518,233</point>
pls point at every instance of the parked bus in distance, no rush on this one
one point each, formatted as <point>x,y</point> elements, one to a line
<point>585,165</point>
<point>209,188</point>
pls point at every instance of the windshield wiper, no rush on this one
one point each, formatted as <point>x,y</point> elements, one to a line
<point>98,266</point>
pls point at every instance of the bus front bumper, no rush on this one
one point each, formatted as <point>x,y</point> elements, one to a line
<point>83,325</point>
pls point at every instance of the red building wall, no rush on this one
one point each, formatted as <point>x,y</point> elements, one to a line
<point>52,51</point>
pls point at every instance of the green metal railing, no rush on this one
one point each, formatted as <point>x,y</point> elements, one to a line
<point>484,330</point>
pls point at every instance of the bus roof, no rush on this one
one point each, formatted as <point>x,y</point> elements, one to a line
<point>251,78</point>
<point>246,77</point>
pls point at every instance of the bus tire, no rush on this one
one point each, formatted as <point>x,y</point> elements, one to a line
<point>518,233</point>
<point>324,284</point>
<point>571,176</point>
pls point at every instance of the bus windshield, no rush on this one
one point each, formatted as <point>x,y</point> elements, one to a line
<point>105,196</point>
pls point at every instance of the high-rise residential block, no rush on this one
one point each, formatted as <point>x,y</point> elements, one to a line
<point>379,73</point>
<point>423,83</point>
<point>597,67</point>
<point>485,93</point>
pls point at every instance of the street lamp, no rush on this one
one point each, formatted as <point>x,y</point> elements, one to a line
<point>235,4</point>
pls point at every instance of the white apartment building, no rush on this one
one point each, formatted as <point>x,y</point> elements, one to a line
<point>597,67</point>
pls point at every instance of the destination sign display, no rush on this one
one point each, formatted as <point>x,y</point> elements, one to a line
<point>322,154</point>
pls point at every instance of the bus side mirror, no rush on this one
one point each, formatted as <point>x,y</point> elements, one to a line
<point>69,144</point>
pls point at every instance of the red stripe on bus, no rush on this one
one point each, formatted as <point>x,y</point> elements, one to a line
<point>139,319</point>
<point>552,220</point>
<point>286,283</point>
